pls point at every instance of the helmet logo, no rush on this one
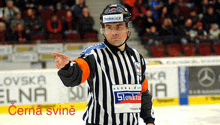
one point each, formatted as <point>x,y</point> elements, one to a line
<point>112,8</point>
<point>113,18</point>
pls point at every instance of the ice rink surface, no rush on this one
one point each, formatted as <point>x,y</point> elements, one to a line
<point>173,115</point>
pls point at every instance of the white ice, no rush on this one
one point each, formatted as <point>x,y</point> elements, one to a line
<point>174,115</point>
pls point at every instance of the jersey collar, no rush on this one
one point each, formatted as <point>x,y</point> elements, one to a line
<point>115,49</point>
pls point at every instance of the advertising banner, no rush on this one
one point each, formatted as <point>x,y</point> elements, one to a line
<point>37,87</point>
<point>187,61</point>
<point>25,57</point>
<point>204,80</point>
<point>5,49</point>
<point>49,48</point>
<point>183,85</point>
<point>163,81</point>
<point>25,48</point>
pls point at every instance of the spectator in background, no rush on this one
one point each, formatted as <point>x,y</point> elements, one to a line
<point>17,20</point>
<point>170,5</point>
<point>2,18</point>
<point>153,37</point>
<point>168,32</point>
<point>78,7</point>
<point>194,17</point>
<point>9,11</point>
<point>217,7</point>
<point>64,4</point>
<point>129,4</point>
<point>2,33</point>
<point>214,32</point>
<point>33,24</point>
<point>19,35</point>
<point>202,35</point>
<point>177,17</point>
<point>70,24</point>
<point>209,18</point>
<point>164,14</point>
<point>138,13</point>
<point>186,32</point>
<point>86,22</point>
<point>203,8</point>
<point>147,22</point>
<point>156,5</point>
<point>54,25</point>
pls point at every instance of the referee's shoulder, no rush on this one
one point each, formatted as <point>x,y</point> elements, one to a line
<point>87,50</point>
<point>135,51</point>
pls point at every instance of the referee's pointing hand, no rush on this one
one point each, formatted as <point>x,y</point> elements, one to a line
<point>61,59</point>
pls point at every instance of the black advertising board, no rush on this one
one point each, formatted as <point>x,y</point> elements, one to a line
<point>204,80</point>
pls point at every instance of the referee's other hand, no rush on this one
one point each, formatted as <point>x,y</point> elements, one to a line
<point>61,59</point>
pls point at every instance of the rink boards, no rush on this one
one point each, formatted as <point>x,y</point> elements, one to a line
<point>169,85</point>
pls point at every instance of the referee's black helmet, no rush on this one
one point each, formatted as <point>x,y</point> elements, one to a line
<point>115,13</point>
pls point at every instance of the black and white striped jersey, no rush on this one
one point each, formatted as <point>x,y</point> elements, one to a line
<point>116,80</point>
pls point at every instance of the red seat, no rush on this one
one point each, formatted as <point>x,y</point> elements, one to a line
<point>46,14</point>
<point>204,48</point>
<point>55,38</point>
<point>35,37</point>
<point>185,11</point>
<point>73,37</point>
<point>158,50</point>
<point>189,49</point>
<point>174,49</point>
<point>216,47</point>
<point>61,13</point>
<point>91,37</point>
<point>24,14</point>
<point>2,37</point>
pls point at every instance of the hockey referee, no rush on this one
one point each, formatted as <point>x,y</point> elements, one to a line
<point>115,72</point>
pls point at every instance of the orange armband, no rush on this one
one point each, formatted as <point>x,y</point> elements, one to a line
<point>144,86</point>
<point>85,69</point>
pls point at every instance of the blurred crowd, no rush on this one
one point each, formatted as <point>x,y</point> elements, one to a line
<point>175,21</point>
<point>158,22</point>
<point>21,19</point>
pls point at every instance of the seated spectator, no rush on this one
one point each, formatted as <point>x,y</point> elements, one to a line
<point>54,25</point>
<point>129,4</point>
<point>194,17</point>
<point>214,33</point>
<point>153,37</point>
<point>156,5</point>
<point>2,33</point>
<point>9,11</point>
<point>33,24</point>
<point>17,20</point>
<point>138,12</point>
<point>209,18</point>
<point>86,22</point>
<point>168,32</point>
<point>78,8</point>
<point>217,7</point>
<point>70,24</point>
<point>202,35</point>
<point>147,23</point>
<point>19,35</point>
<point>164,14</point>
<point>177,17</point>
<point>203,8</point>
<point>170,5</point>
<point>68,3</point>
<point>186,32</point>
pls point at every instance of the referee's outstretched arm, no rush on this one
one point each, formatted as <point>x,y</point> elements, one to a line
<point>72,73</point>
